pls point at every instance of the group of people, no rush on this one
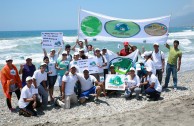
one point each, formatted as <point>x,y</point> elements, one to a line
<point>76,86</point>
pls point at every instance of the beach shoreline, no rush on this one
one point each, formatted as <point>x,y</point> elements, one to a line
<point>117,111</point>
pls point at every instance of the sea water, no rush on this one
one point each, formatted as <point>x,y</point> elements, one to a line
<point>20,44</point>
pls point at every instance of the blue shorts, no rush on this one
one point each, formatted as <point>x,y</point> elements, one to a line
<point>88,92</point>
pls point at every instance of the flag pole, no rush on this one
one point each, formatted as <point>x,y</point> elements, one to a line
<point>78,28</point>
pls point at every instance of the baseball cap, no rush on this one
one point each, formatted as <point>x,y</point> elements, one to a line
<point>132,68</point>
<point>64,52</point>
<point>147,53</point>
<point>125,43</point>
<point>28,57</point>
<point>76,53</point>
<point>138,67</point>
<point>8,58</point>
<point>112,65</point>
<point>73,66</point>
<point>42,64</point>
<point>97,49</point>
<point>52,50</point>
<point>28,78</point>
<point>156,44</point>
<point>104,48</point>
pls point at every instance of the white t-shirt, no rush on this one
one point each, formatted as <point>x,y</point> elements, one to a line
<point>51,67</point>
<point>39,77</point>
<point>99,61</point>
<point>25,93</point>
<point>149,63</point>
<point>86,84</point>
<point>157,59</point>
<point>154,79</point>
<point>132,82</point>
<point>70,83</point>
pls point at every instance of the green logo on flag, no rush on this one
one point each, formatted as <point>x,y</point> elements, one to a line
<point>155,29</point>
<point>121,29</point>
<point>91,26</point>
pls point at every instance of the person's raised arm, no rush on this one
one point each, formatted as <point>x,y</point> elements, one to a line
<point>59,51</point>
<point>167,45</point>
<point>73,48</point>
<point>86,42</point>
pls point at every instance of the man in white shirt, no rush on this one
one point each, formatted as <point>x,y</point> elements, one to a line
<point>68,84</point>
<point>28,101</point>
<point>87,86</point>
<point>159,61</point>
<point>39,80</point>
<point>154,88</point>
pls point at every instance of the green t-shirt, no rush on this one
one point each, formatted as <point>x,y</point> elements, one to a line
<point>62,64</point>
<point>173,55</point>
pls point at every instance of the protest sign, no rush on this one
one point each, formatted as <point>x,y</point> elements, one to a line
<point>115,82</point>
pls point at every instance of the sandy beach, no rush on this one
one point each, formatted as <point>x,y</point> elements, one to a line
<point>174,108</point>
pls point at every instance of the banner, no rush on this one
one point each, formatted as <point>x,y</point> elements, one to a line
<point>94,26</point>
<point>115,82</point>
<point>52,39</point>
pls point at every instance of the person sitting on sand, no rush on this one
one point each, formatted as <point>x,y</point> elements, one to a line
<point>87,86</point>
<point>27,70</point>
<point>68,94</point>
<point>10,81</point>
<point>28,101</point>
<point>132,84</point>
<point>39,81</point>
<point>154,88</point>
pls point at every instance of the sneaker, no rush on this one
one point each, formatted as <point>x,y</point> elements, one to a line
<point>175,89</point>
<point>97,101</point>
<point>164,87</point>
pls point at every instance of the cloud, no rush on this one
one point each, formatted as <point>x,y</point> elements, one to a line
<point>186,9</point>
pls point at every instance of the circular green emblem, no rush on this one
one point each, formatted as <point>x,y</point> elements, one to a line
<point>91,26</point>
<point>122,29</point>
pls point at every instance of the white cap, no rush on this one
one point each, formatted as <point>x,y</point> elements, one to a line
<point>82,49</point>
<point>148,69</point>
<point>8,58</point>
<point>85,70</point>
<point>156,44</point>
<point>147,53</point>
<point>141,61</point>
<point>42,64</point>
<point>64,52</point>
<point>138,67</point>
<point>97,49</point>
<point>104,48</point>
<point>28,78</point>
<point>73,66</point>
<point>52,50</point>
<point>112,65</point>
<point>76,53</point>
<point>132,68</point>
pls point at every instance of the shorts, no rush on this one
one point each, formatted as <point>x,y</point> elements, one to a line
<point>60,79</point>
<point>88,92</point>
<point>51,81</point>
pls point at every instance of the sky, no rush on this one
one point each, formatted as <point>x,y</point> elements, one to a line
<point>19,15</point>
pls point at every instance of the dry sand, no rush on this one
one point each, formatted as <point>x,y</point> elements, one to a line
<point>174,109</point>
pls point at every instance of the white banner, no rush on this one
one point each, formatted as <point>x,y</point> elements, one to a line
<point>93,26</point>
<point>115,82</point>
<point>52,39</point>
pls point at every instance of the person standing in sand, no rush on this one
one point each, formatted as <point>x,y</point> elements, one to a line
<point>126,50</point>
<point>10,81</point>
<point>159,61</point>
<point>174,55</point>
<point>27,70</point>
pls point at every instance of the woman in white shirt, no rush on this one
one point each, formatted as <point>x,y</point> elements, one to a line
<point>149,62</point>
<point>132,84</point>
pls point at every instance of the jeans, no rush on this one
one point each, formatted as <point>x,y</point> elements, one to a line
<point>159,75</point>
<point>44,94</point>
<point>171,68</point>
<point>152,92</point>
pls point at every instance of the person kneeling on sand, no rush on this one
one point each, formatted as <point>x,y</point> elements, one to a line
<point>154,88</point>
<point>132,84</point>
<point>87,86</point>
<point>68,94</point>
<point>28,101</point>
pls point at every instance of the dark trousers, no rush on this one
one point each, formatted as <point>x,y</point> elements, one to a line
<point>18,93</point>
<point>152,92</point>
<point>29,108</point>
<point>159,75</point>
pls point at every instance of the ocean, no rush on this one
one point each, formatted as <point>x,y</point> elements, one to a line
<point>20,44</point>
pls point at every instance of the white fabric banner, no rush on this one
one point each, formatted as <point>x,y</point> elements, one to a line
<point>94,26</point>
<point>52,39</point>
